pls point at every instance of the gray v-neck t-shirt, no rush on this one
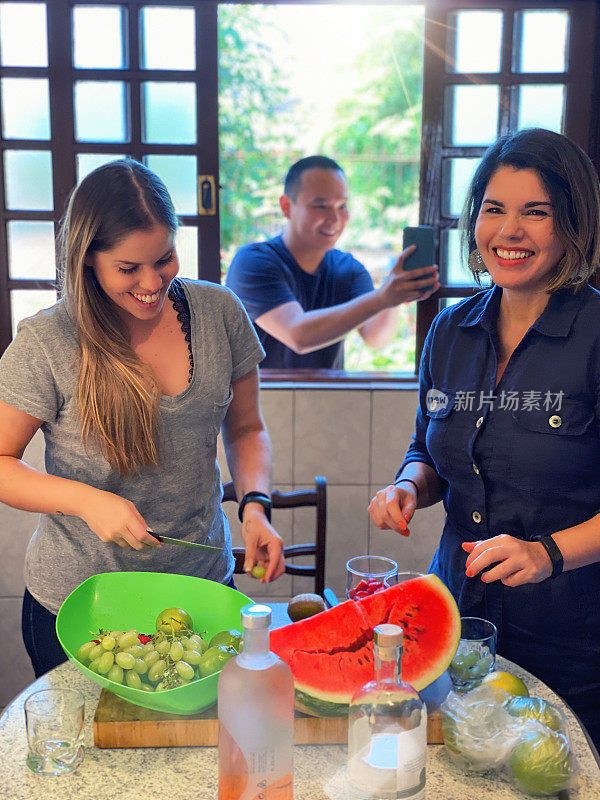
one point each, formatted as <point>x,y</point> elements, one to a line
<point>181,497</point>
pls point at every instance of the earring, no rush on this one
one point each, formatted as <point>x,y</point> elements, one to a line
<point>476,262</point>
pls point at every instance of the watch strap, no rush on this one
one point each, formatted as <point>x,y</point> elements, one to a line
<point>255,497</point>
<point>553,550</point>
<point>407,480</point>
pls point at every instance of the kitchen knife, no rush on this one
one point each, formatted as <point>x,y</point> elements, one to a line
<point>182,542</point>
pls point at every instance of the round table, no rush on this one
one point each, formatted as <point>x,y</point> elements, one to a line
<point>190,773</point>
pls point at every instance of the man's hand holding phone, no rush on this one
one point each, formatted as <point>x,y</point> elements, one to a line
<point>410,278</point>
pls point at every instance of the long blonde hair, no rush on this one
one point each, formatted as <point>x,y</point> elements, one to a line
<point>117,395</point>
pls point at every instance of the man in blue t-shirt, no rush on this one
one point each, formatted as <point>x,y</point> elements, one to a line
<point>302,295</point>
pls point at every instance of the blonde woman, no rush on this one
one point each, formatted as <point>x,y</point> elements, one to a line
<point>130,376</point>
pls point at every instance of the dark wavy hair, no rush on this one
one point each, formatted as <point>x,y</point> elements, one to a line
<point>571,181</point>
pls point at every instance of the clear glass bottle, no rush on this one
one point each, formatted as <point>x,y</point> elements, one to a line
<point>387,729</point>
<point>256,717</point>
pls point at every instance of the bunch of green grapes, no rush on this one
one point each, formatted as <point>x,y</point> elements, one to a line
<point>154,663</point>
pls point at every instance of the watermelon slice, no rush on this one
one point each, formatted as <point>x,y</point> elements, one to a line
<point>331,653</point>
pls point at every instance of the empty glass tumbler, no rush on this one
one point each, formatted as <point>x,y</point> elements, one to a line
<point>54,721</point>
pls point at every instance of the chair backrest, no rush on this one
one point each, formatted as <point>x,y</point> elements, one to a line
<point>316,497</point>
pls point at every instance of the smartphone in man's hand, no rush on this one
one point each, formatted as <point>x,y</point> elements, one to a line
<point>424,256</point>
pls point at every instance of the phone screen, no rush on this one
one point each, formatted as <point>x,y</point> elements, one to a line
<point>424,238</point>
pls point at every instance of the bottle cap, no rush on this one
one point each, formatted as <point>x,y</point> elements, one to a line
<point>256,616</point>
<point>389,635</point>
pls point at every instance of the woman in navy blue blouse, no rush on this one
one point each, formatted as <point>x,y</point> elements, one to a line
<point>508,424</point>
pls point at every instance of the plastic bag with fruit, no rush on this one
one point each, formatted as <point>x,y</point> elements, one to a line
<point>523,738</point>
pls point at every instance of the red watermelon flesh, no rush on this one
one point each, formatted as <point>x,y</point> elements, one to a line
<point>331,653</point>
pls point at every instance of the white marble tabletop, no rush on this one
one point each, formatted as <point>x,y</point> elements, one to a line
<point>190,773</point>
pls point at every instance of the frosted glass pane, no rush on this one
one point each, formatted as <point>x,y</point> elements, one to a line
<point>541,106</point>
<point>28,180</point>
<point>179,175</point>
<point>169,113</point>
<point>27,302</point>
<point>544,41</point>
<point>98,37</point>
<point>86,162</point>
<point>100,111</point>
<point>186,243</point>
<point>23,38</point>
<point>454,269</point>
<point>168,38</point>
<point>456,178</point>
<point>478,41</point>
<point>31,249</point>
<point>473,114</point>
<point>446,302</point>
<point>25,108</point>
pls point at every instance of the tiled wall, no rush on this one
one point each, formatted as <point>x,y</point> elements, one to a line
<point>355,437</point>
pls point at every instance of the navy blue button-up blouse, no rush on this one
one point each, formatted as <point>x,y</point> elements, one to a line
<point>522,457</point>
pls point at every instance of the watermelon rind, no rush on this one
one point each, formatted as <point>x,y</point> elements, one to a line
<point>317,707</point>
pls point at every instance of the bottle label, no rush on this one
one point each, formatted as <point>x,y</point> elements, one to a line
<point>251,776</point>
<point>410,782</point>
<point>410,776</point>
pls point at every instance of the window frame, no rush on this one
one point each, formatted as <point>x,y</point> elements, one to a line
<point>581,115</point>
<point>582,123</point>
<point>64,147</point>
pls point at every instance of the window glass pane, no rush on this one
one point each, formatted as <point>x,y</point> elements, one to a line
<point>544,37</point>
<point>168,38</point>
<point>100,111</point>
<point>169,113</point>
<point>179,175</point>
<point>187,251</point>
<point>27,302</point>
<point>541,106</point>
<point>86,162</point>
<point>31,249</point>
<point>25,108</point>
<point>28,180</point>
<point>456,177</point>
<point>454,268</point>
<point>472,114</point>
<point>23,40</point>
<point>398,355</point>
<point>475,39</point>
<point>446,302</point>
<point>98,37</point>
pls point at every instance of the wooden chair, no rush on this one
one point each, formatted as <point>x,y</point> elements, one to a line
<point>316,497</point>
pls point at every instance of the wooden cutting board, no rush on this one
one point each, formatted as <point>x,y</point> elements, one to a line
<point>118,723</point>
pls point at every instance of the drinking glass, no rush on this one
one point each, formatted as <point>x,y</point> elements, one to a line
<point>476,653</point>
<point>54,722</point>
<point>368,574</point>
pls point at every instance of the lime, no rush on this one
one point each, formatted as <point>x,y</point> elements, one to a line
<point>214,659</point>
<point>535,708</point>
<point>541,762</point>
<point>506,681</point>
<point>229,638</point>
<point>174,620</point>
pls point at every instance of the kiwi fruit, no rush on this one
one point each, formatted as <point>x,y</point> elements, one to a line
<point>305,605</point>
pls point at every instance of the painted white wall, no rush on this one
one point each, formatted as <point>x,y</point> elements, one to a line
<point>355,437</point>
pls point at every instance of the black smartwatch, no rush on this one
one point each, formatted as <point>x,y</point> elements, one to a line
<point>553,550</point>
<point>255,497</point>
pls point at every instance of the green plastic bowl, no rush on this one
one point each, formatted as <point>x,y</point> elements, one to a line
<point>123,600</point>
